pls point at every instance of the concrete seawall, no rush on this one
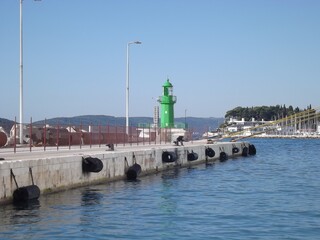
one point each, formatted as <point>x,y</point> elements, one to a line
<point>60,170</point>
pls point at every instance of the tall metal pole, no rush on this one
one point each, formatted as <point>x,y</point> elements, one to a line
<point>127,92</point>
<point>127,87</point>
<point>21,77</point>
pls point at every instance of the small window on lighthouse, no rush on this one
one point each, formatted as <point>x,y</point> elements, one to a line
<point>170,91</point>
<point>166,112</point>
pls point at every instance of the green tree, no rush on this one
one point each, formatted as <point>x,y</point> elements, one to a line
<point>267,113</point>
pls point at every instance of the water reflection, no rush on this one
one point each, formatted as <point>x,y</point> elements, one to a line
<point>171,173</point>
<point>27,205</point>
<point>168,203</point>
<point>25,212</point>
<point>134,181</point>
<point>91,197</point>
<point>191,169</point>
<point>209,164</point>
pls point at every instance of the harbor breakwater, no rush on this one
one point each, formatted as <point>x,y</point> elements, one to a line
<point>62,170</point>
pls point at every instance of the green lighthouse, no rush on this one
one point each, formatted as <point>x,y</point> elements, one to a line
<point>167,100</point>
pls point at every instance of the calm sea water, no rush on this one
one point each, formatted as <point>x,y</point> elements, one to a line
<point>273,195</point>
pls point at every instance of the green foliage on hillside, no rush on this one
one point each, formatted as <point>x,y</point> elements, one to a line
<point>267,113</point>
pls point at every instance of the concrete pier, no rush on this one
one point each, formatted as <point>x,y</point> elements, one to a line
<point>54,170</point>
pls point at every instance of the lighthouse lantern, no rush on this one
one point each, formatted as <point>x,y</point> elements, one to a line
<point>167,101</point>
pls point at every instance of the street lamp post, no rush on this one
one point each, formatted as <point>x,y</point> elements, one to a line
<point>21,77</point>
<point>127,87</point>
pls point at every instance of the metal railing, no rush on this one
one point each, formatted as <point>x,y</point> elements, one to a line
<point>77,136</point>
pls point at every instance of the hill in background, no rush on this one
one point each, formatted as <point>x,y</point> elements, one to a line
<point>6,124</point>
<point>196,124</point>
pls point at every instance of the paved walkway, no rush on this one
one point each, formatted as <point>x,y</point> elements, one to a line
<point>23,153</point>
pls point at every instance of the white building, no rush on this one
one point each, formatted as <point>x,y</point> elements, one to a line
<point>250,127</point>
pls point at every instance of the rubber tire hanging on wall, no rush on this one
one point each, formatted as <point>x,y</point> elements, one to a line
<point>235,150</point>
<point>26,193</point>
<point>90,164</point>
<point>192,156</point>
<point>210,152</point>
<point>252,149</point>
<point>169,157</point>
<point>245,152</point>
<point>133,172</point>
<point>223,157</point>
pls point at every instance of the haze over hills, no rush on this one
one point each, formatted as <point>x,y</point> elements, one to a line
<point>196,124</point>
<point>6,124</point>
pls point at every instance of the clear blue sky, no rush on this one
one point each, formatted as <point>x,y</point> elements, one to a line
<point>217,54</point>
